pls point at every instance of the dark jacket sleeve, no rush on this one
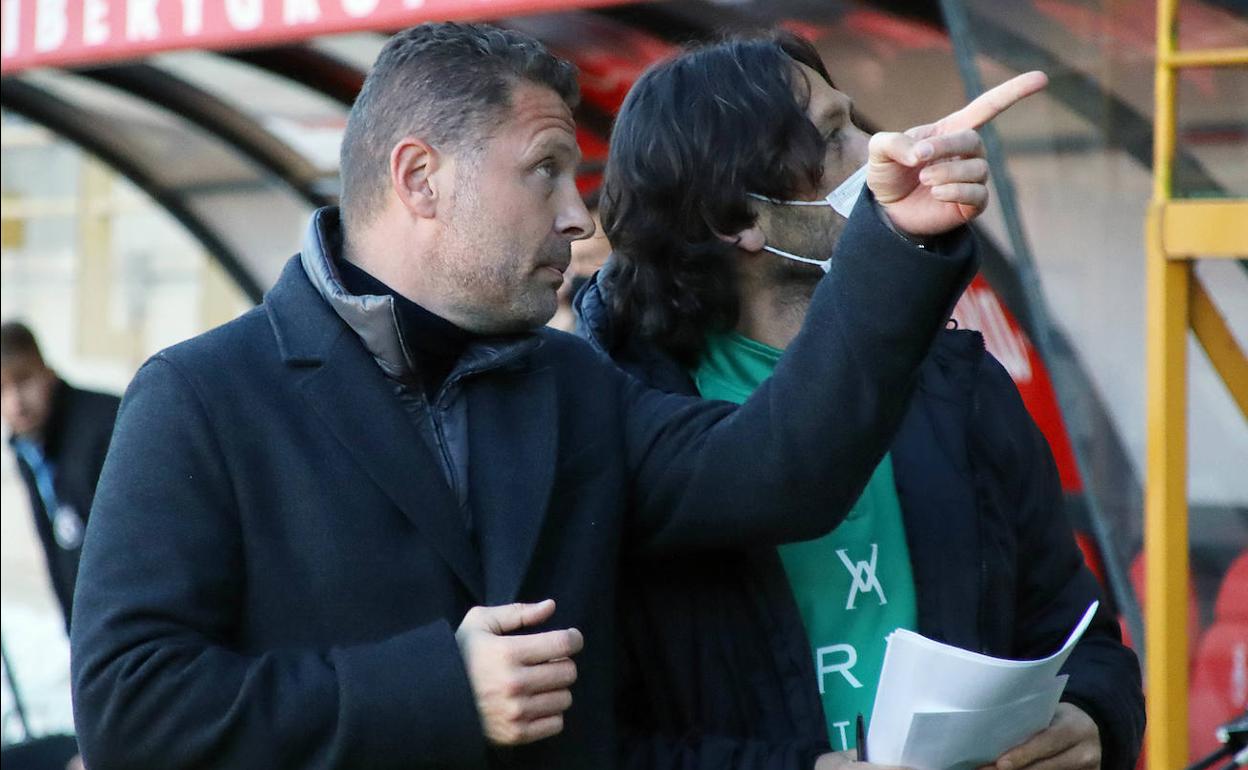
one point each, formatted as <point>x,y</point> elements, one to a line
<point>1054,585</point>
<point>162,576</point>
<point>788,464</point>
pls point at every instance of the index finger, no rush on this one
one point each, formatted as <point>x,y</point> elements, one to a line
<point>995,101</point>
<point>531,649</point>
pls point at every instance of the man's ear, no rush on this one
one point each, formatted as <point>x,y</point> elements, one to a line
<point>413,176</point>
<point>750,239</point>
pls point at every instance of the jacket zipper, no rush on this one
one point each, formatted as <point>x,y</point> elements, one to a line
<point>442,450</point>
<point>435,416</point>
<point>981,618</point>
<point>436,409</point>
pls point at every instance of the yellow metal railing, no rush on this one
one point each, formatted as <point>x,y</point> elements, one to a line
<point>1177,232</point>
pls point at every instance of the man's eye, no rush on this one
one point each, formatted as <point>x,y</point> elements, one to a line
<point>548,169</point>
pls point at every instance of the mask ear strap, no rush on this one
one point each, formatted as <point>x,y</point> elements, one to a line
<point>824,263</point>
<point>779,202</point>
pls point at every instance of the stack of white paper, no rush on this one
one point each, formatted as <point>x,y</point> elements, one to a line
<point>943,708</point>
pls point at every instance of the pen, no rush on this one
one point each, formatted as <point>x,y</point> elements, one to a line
<point>860,736</point>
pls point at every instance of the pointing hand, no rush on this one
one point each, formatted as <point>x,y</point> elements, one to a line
<point>934,178</point>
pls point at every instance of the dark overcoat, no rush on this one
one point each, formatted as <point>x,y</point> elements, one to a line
<point>276,566</point>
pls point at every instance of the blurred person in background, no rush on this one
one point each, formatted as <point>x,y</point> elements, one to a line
<point>763,658</point>
<point>59,435</point>
<point>588,254</point>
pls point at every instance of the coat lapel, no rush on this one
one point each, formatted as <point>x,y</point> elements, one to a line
<point>513,443</point>
<point>356,401</point>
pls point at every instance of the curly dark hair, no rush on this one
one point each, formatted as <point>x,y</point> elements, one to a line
<point>445,82</point>
<point>693,136</point>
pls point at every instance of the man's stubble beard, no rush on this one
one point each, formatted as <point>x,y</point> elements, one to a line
<point>807,234</point>
<point>486,292</point>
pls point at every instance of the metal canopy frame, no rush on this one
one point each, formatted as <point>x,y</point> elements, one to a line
<point>238,132</point>
<point>234,127</point>
<point>307,66</point>
<point>66,120</point>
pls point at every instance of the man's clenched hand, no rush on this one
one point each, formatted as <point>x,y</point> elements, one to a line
<point>520,682</point>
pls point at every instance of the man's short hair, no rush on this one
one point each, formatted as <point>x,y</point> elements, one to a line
<point>445,83</point>
<point>694,135</point>
<point>16,339</point>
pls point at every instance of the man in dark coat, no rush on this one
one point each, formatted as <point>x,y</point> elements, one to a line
<point>59,435</point>
<point>762,658</point>
<point>375,522</point>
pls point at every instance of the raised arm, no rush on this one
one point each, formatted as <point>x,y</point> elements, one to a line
<point>791,461</point>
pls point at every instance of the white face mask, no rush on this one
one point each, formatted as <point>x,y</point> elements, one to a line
<point>842,200</point>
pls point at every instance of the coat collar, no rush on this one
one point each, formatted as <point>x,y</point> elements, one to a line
<point>351,389</point>
<point>373,318</point>
<point>343,385</point>
<point>640,358</point>
<point>303,324</point>
<point>308,308</point>
<point>347,388</point>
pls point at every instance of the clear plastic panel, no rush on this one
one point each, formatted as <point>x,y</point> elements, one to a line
<point>303,118</point>
<point>196,168</point>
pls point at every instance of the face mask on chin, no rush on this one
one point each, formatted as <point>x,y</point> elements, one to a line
<point>841,200</point>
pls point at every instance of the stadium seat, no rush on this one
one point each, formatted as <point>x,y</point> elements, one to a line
<point>1219,688</point>
<point>1232,602</point>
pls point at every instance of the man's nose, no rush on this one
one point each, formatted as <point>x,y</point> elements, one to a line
<point>858,143</point>
<point>574,221</point>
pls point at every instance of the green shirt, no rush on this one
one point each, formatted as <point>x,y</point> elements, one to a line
<point>853,586</point>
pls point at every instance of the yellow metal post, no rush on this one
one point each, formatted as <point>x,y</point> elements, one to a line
<point>1165,505</point>
<point>1177,232</point>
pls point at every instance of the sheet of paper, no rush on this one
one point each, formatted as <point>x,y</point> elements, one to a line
<point>923,676</point>
<point>965,740</point>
